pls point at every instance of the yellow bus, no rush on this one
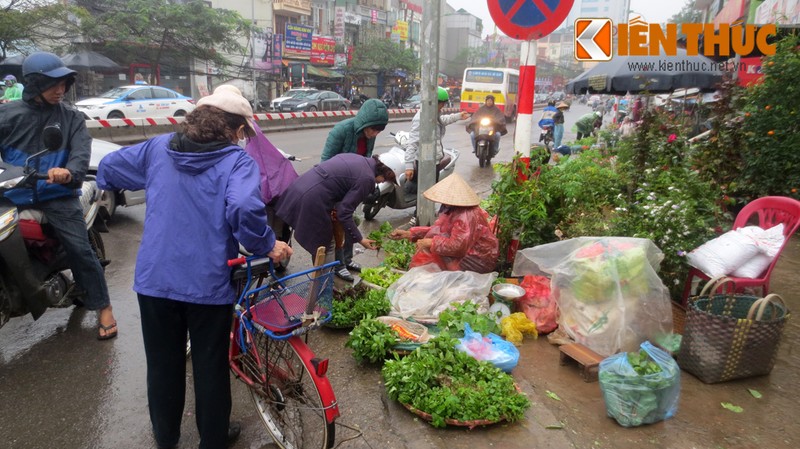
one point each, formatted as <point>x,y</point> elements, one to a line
<point>479,82</point>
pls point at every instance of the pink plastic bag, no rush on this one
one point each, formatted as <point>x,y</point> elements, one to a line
<point>537,304</point>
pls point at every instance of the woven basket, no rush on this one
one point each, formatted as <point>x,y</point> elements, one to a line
<point>678,318</point>
<point>454,422</point>
<point>731,336</point>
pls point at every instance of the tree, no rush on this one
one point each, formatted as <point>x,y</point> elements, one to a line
<point>382,55</point>
<point>28,24</point>
<point>687,14</point>
<point>150,28</point>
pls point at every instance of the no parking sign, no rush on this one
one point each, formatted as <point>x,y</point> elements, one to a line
<point>529,19</point>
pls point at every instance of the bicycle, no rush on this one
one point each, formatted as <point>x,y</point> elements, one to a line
<point>270,354</point>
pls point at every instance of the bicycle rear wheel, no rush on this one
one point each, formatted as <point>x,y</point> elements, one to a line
<point>290,403</point>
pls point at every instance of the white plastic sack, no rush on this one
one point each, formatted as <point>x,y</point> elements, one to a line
<point>423,292</point>
<point>725,253</point>
<point>607,288</point>
<point>769,243</point>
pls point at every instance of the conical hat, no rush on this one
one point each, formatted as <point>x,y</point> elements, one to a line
<point>453,191</point>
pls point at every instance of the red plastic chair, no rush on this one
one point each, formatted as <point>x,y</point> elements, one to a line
<point>769,211</point>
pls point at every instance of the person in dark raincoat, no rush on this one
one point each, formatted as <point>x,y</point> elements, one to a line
<point>355,135</point>
<point>461,238</point>
<point>330,193</point>
<point>490,110</point>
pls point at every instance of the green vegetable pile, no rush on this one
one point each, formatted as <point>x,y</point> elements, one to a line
<point>642,363</point>
<point>451,321</point>
<point>380,276</point>
<point>449,384</point>
<point>371,340</point>
<point>352,305</point>
<point>398,252</point>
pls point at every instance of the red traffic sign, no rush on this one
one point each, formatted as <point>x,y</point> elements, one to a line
<point>529,19</point>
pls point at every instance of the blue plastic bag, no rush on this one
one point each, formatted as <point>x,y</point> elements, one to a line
<point>491,348</point>
<point>634,399</point>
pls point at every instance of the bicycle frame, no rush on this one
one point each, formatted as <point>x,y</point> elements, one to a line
<point>247,364</point>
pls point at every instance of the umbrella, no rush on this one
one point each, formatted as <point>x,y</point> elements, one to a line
<point>88,60</point>
<point>655,74</point>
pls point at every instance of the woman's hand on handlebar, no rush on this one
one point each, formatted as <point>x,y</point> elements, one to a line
<point>280,251</point>
<point>409,174</point>
<point>368,243</point>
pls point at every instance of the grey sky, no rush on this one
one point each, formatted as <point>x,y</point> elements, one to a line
<point>653,11</point>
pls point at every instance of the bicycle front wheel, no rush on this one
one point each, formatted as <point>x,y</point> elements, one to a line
<point>291,403</point>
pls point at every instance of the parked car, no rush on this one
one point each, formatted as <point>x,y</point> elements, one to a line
<point>291,93</point>
<point>323,100</point>
<point>136,101</point>
<point>110,200</point>
<point>412,102</point>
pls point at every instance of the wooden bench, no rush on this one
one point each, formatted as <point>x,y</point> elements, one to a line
<point>587,359</point>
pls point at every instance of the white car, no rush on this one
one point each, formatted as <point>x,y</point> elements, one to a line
<point>275,105</point>
<point>136,101</point>
<point>110,200</point>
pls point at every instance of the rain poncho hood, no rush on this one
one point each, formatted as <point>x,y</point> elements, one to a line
<point>343,138</point>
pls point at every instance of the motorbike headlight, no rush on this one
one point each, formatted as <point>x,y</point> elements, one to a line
<point>485,121</point>
<point>11,183</point>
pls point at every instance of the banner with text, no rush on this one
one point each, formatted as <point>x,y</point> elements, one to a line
<point>323,50</point>
<point>298,40</point>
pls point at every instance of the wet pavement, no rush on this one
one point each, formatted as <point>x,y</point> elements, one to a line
<point>61,388</point>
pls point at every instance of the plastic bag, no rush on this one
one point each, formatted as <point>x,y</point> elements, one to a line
<point>538,304</point>
<point>769,243</point>
<point>724,254</point>
<point>423,292</point>
<point>633,399</point>
<point>490,348</point>
<point>608,292</point>
<point>515,325</point>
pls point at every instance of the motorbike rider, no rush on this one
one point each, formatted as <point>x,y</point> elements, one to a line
<point>547,120</point>
<point>13,89</point>
<point>21,126</point>
<point>411,146</point>
<point>355,135</point>
<point>490,110</point>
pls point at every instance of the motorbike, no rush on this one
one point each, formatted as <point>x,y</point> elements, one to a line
<point>403,194</point>
<point>34,273</point>
<point>546,137</point>
<point>484,137</point>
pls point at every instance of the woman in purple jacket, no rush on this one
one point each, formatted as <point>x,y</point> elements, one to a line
<point>203,200</point>
<point>337,185</point>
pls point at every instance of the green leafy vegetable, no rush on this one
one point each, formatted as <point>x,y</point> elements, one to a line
<point>352,305</point>
<point>398,252</point>
<point>756,394</point>
<point>449,384</point>
<point>731,407</point>
<point>371,340</point>
<point>552,395</point>
<point>380,276</point>
<point>451,321</point>
<point>642,363</point>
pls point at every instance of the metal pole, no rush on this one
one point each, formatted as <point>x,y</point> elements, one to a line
<point>429,114</point>
<point>527,81</point>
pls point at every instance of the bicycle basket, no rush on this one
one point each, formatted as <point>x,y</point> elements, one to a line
<point>281,305</point>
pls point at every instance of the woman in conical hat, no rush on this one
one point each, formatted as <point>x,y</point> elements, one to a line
<point>460,239</point>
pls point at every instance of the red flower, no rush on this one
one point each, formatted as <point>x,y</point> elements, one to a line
<point>672,138</point>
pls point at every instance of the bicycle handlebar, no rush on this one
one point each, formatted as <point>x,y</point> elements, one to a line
<point>237,261</point>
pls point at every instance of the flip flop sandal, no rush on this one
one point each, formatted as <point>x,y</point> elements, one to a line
<point>108,335</point>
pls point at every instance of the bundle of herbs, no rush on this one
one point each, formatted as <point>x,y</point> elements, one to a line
<point>450,387</point>
<point>354,304</point>
<point>451,320</point>
<point>381,276</point>
<point>371,341</point>
<point>398,252</point>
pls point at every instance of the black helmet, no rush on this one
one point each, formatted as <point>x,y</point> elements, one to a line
<point>46,64</point>
<point>551,102</point>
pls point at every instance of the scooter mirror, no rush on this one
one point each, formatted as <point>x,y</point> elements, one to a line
<point>52,138</point>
